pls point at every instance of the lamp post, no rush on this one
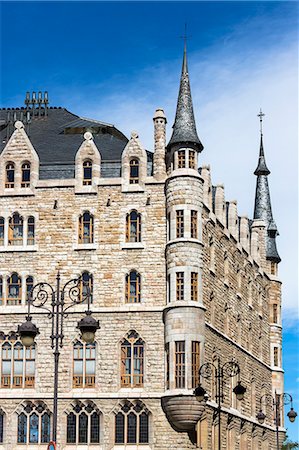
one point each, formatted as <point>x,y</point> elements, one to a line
<point>277,406</point>
<point>57,302</point>
<point>228,369</point>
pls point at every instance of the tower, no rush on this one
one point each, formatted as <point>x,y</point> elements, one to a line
<point>184,312</point>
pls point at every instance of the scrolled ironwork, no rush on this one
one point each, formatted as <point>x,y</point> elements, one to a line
<point>231,368</point>
<point>206,370</point>
<point>41,294</point>
<point>287,398</point>
<point>77,291</point>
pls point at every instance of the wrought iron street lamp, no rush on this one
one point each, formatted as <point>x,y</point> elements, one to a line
<point>228,369</point>
<point>57,302</point>
<point>277,407</point>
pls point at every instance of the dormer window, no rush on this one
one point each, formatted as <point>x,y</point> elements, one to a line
<point>87,173</point>
<point>10,175</point>
<point>134,171</point>
<point>25,175</point>
<point>181,159</point>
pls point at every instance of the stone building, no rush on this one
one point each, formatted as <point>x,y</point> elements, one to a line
<point>177,279</point>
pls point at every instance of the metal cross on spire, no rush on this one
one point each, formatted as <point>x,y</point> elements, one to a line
<point>185,36</point>
<point>261,115</point>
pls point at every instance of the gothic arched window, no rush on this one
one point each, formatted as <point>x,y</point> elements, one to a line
<point>2,224</point>
<point>87,173</point>
<point>133,287</point>
<point>14,290</point>
<point>30,231</point>
<point>83,425</point>
<point>86,287</point>
<point>17,365</point>
<point>34,425</point>
<point>29,286</point>
<point>132,360</point>
<point>10,175</point>
<point>15,230</point>
<point>25,175</point>
<point>134,171</point>
<point>84,359</point>
<point>132,424</point>
<point>133,227</point>
<point>86,228</point>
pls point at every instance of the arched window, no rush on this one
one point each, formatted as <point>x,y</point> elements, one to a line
<point>133,227</point>
<point>87,173</point>
<point>10,175</point>
<point>133,287</point>
<point>1,290</point>
<point>1,426</point>
<point>25,175</point>
<point>30,231</point>
<point>29,286</point>
<point>15,230</point>
<point>86,228</point>
<point>84,360</point>
<point>83,425</point>
<point>18,365</point>
<point>132,355</point>
<point>2,224</point>
<point>14,290</point>
<point>132,424</point>
<point>86,287</point>
<point>34,425</point>
<point>134,171</point>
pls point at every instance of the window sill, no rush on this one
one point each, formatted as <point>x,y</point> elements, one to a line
<point>85,247</point>
<point>19,248</point>
<point>131,447</point>
<point>131,245</point>
<point>129,188</point>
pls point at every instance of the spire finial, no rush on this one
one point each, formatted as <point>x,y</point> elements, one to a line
<point>261,115</point>
<point>185,37</point>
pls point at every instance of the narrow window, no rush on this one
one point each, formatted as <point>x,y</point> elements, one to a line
<point>168,288</point>
<point>134,171</point>
<point>253,398</point>
<point>18,356</point>
<point>25,175</point>
<point>194,286</point>
<point>87,173</point>
<point>95,428</point>
<point>273,268</point>
<point>15,230</point>
<point>132,357</point>
<point>180,364</point>
<point>143,428</point>
<point>167,364</point>
<point>168,226</point>
<point>1,290</point>
<point>22,428</point>
<point>132,428</point>
<point>275,355</point>
<point>6,367</point>
<point>10,175</point>
<point>31,231</point>
<point>14,359</point>
<point>71,428</point>
<point>2,222</point>
<point>180,286</point>
<point>192,159</point>
<point>194,231</point>
<point>84,365</point>
<point>195,355</point>
<point>133,227</point>
<point>119,428</point>
<point>86,228</point>
<point>33,428</point>
<point>1,426</point>
<point>83,424</point>
<point>29,286</point>
<point>181,159</point>
<point>212,254</point>
<point>179,223</point>
<point>86,287</point>
<point>45,430</point>
<point>14,290</point>
<point>275,314</point>
<point>133,289</point>
<point>29,367</point>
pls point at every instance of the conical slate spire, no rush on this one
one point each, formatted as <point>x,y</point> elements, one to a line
<point>184,128</point>
<point>262,205</point>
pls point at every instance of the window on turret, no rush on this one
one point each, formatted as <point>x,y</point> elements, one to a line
<point>133,287</point>
<point>167,364</point>
<point>133,227</point>
<point>10,175</point>
<point>134,171</point>
<point>195,362</point>
<point>192,159</point>
<point>181,159</point>
<point>132,356</point>
<point>273,268</point>
<point>2,224</point>
<point>14,290</point>
<point>180,286</point>
<point>180,364</point>
<point>180,223</point>
<point>87,173</point>
<point>31,231</point>
<point>194,228</point>
<point>85,228</point>
<point>275,356</point>
<point>25,175</point>
<point>275,313</point>
<point>1,425</point>
<point>15,230</point>
<point>194,286</point>
<point>84,365</point>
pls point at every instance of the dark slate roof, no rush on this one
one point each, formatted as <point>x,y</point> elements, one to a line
<point>184,128</point>
<point>262,168</point>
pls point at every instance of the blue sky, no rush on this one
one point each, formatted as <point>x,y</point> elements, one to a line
<point>119,61</point>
